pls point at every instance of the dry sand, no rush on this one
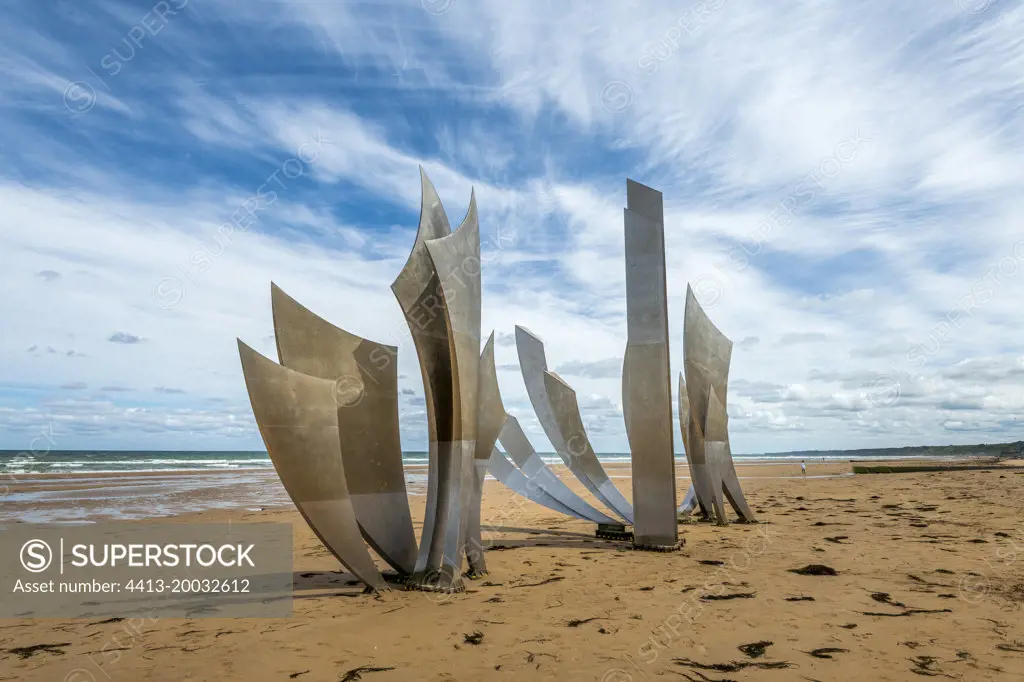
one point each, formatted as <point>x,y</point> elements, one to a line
<point>930,582</point>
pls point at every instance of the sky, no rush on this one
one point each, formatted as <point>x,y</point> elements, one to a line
<point>843,188</point>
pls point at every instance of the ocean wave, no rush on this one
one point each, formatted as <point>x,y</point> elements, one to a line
<point>78,463</point>
<point>133,467</point>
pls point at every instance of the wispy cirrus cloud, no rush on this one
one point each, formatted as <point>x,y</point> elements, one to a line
<point>845,203</point>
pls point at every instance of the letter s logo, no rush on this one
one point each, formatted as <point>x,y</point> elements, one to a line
<point>36,556</point>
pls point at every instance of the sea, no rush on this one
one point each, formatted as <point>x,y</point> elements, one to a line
<point>13,462</point>
<point>87,486</point>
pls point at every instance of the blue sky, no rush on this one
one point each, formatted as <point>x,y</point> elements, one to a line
<point>843,188</point>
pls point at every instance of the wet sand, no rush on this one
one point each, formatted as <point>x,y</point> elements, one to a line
<point>90,497</point>
<point>929,581</point>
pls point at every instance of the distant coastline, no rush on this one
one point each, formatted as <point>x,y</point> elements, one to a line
<point>15,463</point>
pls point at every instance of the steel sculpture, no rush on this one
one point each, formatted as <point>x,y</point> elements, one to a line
<point>720,462</point>
<point>506,473</point>
<point>563,424</point>
<point>439,293</point>
<point>456,262</point>
<point>716,435</point>
<point>298,419</point>
<point>519,449</point>
<point>646,376</point>
<point>690,499</point>
<point>707,354</point>
<point>365,380</point>
<point>684,412</point>
<point>328,413</point>
<point>418,291</point>
<point>490,420</point>
<point>566,410</point>
<point>689,502</point>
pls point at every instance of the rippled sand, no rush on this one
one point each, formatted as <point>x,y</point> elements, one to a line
<point>929,582</point>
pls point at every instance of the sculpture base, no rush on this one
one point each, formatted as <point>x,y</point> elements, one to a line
<point>660,548</point>
<point>435,582</point>
<point>608,531</point>
<point>453,588</point>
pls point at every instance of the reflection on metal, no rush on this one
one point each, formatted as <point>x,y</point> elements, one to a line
<point>690,499</point>
<point>298,418</point>
<point>418,291</point>
<point>328,413</point>
<point>533,364</point>
<point>490,419</point>
<point>324,367</point>
<point>716,435</point>
<point>456,260</point>
<point>698,468</point>
<point>707,354</point>
<point>518,447</point>
<point>588,469</point>
<point>684,413</point>
<point>732,488</point>
<point>574,448</point>
<point>646,377</point>
<point>364,378</point>
<point>516,480</point>
<point>720,462</point>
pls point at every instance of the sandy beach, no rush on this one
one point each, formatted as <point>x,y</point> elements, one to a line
<point>929,581</point>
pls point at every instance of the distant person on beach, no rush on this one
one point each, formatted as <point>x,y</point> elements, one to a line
<point>803,467</point>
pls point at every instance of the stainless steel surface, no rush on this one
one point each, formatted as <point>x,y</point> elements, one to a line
<point>689,502</point>
<point>419,294</point>
<point>581,453</point>
<point>721,465</point>
<point>569,440</point>
<point>707,354</point>
<point>490,419</point>
<point>364,378</point>
<point>507,474</point>
<point>716,435</point>
<point>518,447</point>
<point>456,260</point>
<point>646,377</point>
<point>684,414</point>
<point>298,418</point>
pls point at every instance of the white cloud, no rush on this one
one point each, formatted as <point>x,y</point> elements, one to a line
<point>904,265</point>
